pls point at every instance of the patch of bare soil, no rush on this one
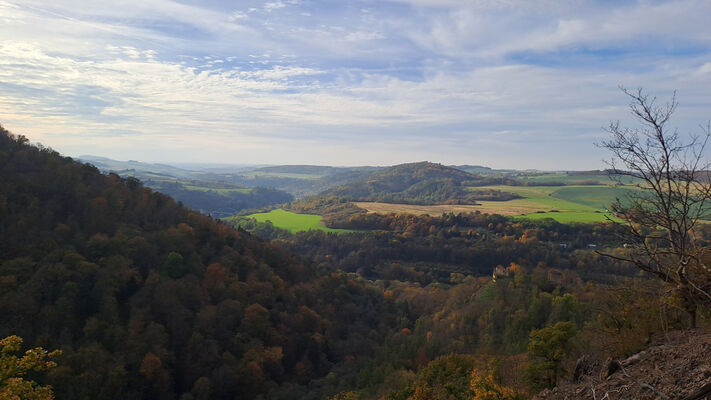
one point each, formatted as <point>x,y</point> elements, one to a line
<point>677,368</point>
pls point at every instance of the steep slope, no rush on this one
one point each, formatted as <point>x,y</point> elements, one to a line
<point>676,368</point>
<point>149,300</point>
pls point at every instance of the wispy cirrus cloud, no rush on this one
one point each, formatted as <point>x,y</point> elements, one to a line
<point>506,83</point>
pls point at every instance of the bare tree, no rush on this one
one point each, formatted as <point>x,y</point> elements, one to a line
<point>662,219</point>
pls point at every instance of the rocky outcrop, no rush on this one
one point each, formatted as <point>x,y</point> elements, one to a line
<point>677,368</point>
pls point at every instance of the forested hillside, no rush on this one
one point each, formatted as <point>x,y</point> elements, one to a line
<point>554,300</point>
<point>418,183</point>
<point>148,299</point>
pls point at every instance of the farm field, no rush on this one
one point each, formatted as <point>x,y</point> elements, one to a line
<point>386,208</point>
<point>262,174</point>
<point>568,217</point>
<point>599,197</point>
<point>564,204</point>
<point>519,207</point>
<point>294,222</point>
<point>573,178</point>
<point>220,190</point>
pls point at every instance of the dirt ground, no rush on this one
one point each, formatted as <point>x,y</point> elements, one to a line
<point>678,367</point>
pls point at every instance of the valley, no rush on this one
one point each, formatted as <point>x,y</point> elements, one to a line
<point>389,282</point>
<point>417,188</point>
<point>428,189</point>
<point>355,200</point>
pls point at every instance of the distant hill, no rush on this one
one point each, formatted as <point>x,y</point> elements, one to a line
<point>480,170</point>
<point>138,169</point>
<point>299,169</point>
<point>218,199</point>
<point>211,193</point>
<point>222,190</point>
<point>302,180</point>
<point>418,183</point>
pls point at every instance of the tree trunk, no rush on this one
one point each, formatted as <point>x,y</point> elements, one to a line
<point>692,318</point>
<point>690,307</point>
<point>555,376</point>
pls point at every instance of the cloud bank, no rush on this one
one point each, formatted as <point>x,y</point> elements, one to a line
<point>522,84</point>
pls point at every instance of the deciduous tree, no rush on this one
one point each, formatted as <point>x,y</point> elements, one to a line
<point>549,346</point>
<point>13,384</point>
<point>662,217</point>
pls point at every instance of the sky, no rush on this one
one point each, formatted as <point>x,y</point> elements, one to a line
<point>502,83</point>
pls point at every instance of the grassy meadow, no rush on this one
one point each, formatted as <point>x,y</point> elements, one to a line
<point>294,222</point>
<point>581,203</point>
<point>574,178</point>
<point>566,204</point>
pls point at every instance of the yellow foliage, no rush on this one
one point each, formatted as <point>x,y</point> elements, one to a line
<point>485,387</point>
<point>12,369</point>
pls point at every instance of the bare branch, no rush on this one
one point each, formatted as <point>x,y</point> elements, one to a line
<point>673,194</point>
<point>644,385</point>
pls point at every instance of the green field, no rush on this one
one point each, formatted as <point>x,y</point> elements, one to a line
<point>582,203</point>
<point>569,216</point>
<point>599,197</point>
<point>293,222</point>
<point>573,178</point>
<point>565,204</point>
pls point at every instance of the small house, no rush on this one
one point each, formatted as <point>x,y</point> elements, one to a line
<point>501,272</point>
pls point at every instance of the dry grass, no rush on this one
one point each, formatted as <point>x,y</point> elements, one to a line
<point>487,207</point>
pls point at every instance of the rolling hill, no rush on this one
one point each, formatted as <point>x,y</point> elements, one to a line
<point>302,180</point>
<point>210,193</point>
<point>417,183</point>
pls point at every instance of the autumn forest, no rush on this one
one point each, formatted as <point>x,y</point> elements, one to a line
<point>144,298</point>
